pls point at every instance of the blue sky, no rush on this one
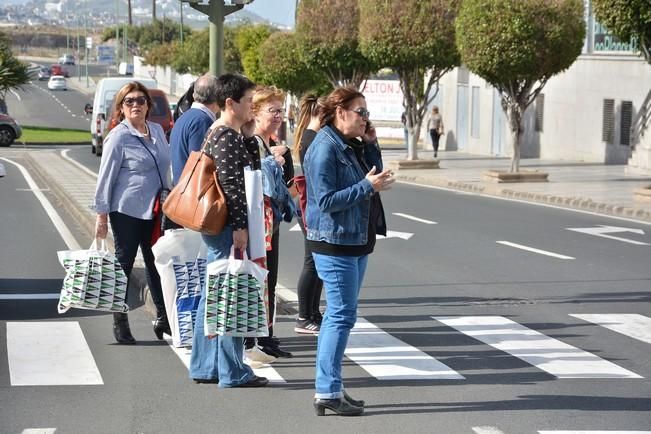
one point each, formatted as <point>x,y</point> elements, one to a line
<point>278,11</point>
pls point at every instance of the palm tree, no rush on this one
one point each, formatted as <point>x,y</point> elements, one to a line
<point>13,72</point>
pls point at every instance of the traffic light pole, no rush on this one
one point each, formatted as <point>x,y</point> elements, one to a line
<point>216,11</point>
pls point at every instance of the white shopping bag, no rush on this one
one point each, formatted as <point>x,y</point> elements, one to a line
<point>94,280</point>
<point>255,209</point>
<point>234,298</point>
<point>180,257</point>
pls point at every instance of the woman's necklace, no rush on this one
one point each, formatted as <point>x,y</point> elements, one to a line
<point>146,130</point>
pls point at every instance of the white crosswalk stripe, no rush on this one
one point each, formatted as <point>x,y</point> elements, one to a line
<point>549,354</point>
<point>388,358</point>
<point>51,353</point>
<point>629,324</point>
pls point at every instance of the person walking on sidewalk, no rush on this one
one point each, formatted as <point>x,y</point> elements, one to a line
<point>268,114</point>
<point>309,285</point>
<point>220,359</point>
<point>134,163</point>
<point>435,127</point>
<point>344,213</point>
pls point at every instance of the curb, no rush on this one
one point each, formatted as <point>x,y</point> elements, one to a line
<point>579,203</point>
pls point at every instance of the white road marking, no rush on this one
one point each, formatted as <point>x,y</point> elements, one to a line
<point>629,324</point>
<point>388,358</point>
<point>50,353</point>
<point>486,430</point>
<point>39,431</point>
<point>395,234</point>
<point>58,222</point>
<point>534,250</point>
<point>603,230</point>
<point>64,155</point>
<point>186,353</point>
<point>295,228</point>
<point>50,296</point>
<point>417,219</point>
<point>549,354</point>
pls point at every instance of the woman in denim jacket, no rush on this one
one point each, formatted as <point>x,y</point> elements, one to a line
<point>344,213</point>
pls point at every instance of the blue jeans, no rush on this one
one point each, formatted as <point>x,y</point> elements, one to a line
<point>223,356</point>
<point>342,279</point>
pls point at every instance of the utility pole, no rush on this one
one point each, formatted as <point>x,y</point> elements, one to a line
<point>181,12</point>
<point>78,51</point>
<point>117,32</point>
<point>216,11</point>
<point>86,39</point>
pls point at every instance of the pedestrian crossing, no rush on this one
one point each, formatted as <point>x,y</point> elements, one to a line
<point>56,352</point>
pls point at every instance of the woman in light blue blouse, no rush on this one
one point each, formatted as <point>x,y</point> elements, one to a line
<point>134,168</point>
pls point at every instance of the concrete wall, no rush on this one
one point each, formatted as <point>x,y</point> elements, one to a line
<point>572,115</point>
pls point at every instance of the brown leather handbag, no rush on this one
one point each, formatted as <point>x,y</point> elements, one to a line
<point>197,201</point>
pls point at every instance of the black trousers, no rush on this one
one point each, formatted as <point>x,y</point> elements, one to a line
<point>309,286</point>
<point>435,140</point>
<point>129,233</point>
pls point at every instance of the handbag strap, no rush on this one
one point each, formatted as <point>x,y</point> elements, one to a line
<point>160,178</point>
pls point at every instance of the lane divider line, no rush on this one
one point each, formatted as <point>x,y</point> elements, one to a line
<point>534,250</point>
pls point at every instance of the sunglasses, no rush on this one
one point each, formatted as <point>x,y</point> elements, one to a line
<point>139,100</point>
<point>362,112</point>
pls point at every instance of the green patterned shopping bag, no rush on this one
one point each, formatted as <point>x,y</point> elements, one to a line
<point>94,280</point>
<point>234,298</point>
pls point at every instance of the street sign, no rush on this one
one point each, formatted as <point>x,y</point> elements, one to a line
<point>89,42</point>
<point>106,54</point>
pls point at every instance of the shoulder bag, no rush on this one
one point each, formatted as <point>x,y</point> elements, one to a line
<point>197,201</point>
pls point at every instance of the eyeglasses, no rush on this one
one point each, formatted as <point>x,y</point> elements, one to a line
<point>276,112</point>
<point>130,102</point>
<point>362,112</point>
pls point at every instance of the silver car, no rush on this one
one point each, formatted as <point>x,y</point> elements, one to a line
<point>9,130</point>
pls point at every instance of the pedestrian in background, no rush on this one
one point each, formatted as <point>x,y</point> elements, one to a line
<point>403,119</point>
<point>344,213</point>
<point>221,359</point>
<point>291,117</point>
<point>435,127</point>
<point>191,128</point>
<point>309,285</point>
<point>133,170</point>
<point>268,114</point>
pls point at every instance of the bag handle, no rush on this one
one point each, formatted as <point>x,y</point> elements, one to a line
<point>102,242</point>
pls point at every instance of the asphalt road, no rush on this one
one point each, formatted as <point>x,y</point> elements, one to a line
<point>499,319</point>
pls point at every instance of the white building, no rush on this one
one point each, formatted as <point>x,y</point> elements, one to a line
<point>584,113</point>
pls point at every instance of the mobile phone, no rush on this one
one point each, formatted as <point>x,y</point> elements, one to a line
<point>368,127</point>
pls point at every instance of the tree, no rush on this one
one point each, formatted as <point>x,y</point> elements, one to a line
<point>283,66</point>
<point>627,19</point>
<point>414,38</point>
<point>328,33</point>
<point>517,46</point>
<point>13,72</point>
<point>248,40</point>
<point>193,57</point>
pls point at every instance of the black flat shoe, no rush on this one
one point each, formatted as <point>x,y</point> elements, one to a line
<point>276,352</point>
<point>255,382</point>
<point>355,402</point>
<point>161,326</point>
<point>206,380</point>
<point>339,406</point>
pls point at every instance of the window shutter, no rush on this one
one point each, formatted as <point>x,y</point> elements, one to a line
<point>626,118</point>
<point>608,121</point>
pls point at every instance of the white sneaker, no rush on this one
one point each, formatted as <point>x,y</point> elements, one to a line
<point>252,364</point>
<point>256,355</point>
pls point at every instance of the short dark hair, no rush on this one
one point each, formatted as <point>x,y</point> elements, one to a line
<point>232,86</point>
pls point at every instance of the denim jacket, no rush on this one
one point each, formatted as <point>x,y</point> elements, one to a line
<point>338,193</point>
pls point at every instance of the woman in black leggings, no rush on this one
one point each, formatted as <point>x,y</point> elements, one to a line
<point>309,285</point>
<point>435,127</point>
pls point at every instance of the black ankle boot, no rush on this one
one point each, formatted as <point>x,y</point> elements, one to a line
<point>355,402</point>
<point>121,330</point>
<point>161,325</point>
<point>340,406</point>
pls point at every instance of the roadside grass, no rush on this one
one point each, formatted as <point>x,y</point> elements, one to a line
<point>53,135</point>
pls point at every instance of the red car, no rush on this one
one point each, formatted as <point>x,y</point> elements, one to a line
<point>59,70</point>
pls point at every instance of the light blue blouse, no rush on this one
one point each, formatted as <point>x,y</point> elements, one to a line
<point>128,180</point>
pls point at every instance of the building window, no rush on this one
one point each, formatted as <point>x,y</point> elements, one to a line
<point>540,111</point>
<point>474,121</point>
<point>626,117</point>
<point>608,121</point>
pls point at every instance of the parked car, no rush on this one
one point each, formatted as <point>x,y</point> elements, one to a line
<point>9,130</point>
<point>67,59</point>
<point>44,74</point>
<point>159,112</point>
<point>57,82</point>
<point>88,108</point>
<point>59,70</point>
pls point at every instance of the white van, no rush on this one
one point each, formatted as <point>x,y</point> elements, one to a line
<point>104,93</point>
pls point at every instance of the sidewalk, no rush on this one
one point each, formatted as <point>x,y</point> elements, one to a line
<point>606,189</point>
